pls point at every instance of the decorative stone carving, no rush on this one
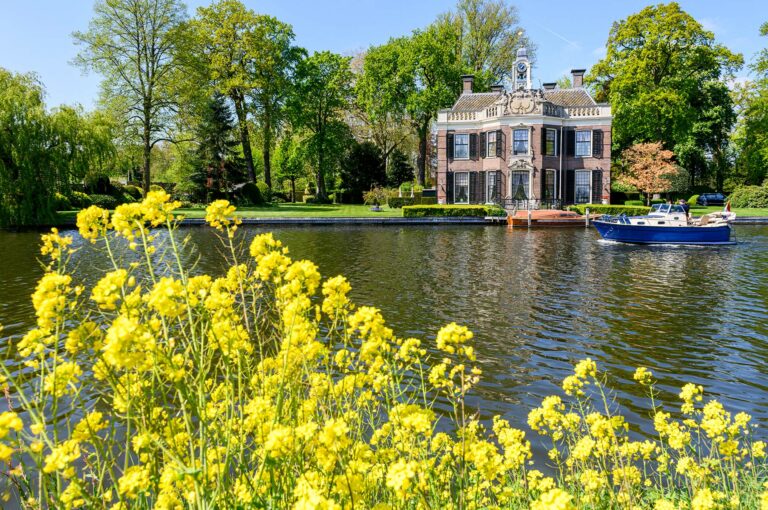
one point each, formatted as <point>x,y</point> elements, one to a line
<point>523,102</point>
<point>521,163</point>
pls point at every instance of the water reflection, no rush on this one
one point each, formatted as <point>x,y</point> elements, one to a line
<point>536,300</point>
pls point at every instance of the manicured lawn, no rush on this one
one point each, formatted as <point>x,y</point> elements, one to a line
<point>699,210</point>
<point>289,211</point>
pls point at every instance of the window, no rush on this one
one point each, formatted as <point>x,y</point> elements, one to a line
<point>492,192</point>
<point>550,142</point>
<point>520,186</point>
<point>549,185</point>
<point>461,188</point>
<point>583,144</point>
<point>491,144</point>
<point>461,146</point>
<point>520,142</point>
<point>582,186</point>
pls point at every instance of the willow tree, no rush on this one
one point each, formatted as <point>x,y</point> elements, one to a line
<point>131,43</point>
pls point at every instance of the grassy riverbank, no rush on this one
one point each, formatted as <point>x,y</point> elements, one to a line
<point>745,212</point>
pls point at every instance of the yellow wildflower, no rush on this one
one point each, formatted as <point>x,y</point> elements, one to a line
<point>93,222</point>
<point>554,499</point>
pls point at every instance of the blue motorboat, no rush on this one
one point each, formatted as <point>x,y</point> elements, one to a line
<point>667,224</point>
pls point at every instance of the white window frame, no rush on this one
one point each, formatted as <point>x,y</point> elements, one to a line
<point>456,185</point>
<point>488,152</point>
<point>456,144</point>
<point>576,144</point>
<point>488,189</point>
<point>527,141</point>
<point>589,184</point>
<point>554,148</point>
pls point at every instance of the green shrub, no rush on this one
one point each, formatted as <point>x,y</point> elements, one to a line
<point>422,211</point>
<point>398,202</point>
<point>692,200</point>
<point>80,200</point>
<point>249,194</point>
<point>104,201</point>
<point>634,203</point>
<point>266,191</point>
<point>658,201</point>
<point>61,202</point>
<point>609,209</point>
<point>308,199</point>
<point>750,196</point>
<point>133,191</point>
<point>428,201</point>
<point>156,187</point>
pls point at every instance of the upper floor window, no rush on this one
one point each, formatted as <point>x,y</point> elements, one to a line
<point>461,146</point>
<point>583,143</point>
<point>491,144</point>
<point>550,142</point>
<point>520,141</point>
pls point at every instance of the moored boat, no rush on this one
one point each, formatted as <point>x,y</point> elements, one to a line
<point>546,218</point>
<point>667,224</point>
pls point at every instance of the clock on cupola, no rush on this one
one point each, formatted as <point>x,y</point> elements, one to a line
<point>522,70</point>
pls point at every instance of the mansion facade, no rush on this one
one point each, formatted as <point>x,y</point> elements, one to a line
<point>528,148</point>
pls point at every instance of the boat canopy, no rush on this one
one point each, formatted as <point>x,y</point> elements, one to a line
<point>667,209</point>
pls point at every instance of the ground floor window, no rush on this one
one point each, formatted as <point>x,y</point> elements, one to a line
<point>461,188</point>
<point>492,189</point>
<point>520,185</point>
<point>549,185</point>
<point>582,187</point>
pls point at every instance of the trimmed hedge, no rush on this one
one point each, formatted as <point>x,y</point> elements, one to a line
<point>104,201</point>
<point>422,211</point>
<point>80,200</point>
<point>634,203</point>
<point>398,202</point>
<point>61,202</point>
<point>609,209</point>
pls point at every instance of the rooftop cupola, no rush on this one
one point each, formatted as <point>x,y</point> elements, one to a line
<point>522,71</point>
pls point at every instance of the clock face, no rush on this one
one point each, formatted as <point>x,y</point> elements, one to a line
<point>521,67</point>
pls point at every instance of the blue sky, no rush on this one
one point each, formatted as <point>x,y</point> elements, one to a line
<point>35,35</point>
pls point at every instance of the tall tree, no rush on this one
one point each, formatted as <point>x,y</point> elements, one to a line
<point>131,43</point>
<point>361,169</point>
<point>272,78</point>
<point>432,60</point>
<point>658,63</point>
<point>320,95</point>
<point>490,36</point>
<point>290,163</point>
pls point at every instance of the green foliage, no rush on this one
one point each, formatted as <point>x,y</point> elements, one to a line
<point>376,196</point>
<point>104,201</point>
<point>400,170</point>
<point>318,99</point>
<point>658,201</point>
<point>422,211</point>
<point>362,169</point>
<point>156,187</point>
<point>639,203</point>
<point>61,202</point>
<point>264,189</point>
<point>609,209</point>
<point>249,194</point>
<point>398,202</point>
<point>80,200</point>
<point>134,191</point>
<point>664,75</point>
<point>750,196</point>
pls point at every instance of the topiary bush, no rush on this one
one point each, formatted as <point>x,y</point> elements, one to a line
<point>80,200</point>
<point>609,209</point>
<point>61,202</point>
<point>750,196</point>
<point>104,201</point>
<point>134,191</point>
<point>249,194</point>
<point>453,210</point>
<point>692,200</point>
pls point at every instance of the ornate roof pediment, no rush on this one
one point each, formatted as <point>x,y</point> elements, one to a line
<point>521,102</point>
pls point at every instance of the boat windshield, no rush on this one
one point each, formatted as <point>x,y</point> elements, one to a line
<point>667,209</point>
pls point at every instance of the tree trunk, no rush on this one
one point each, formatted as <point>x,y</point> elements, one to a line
<point>245,138</point>
<point>267,146</point>
<point>293,189</point>
<point>421,159</point>
<point>147,156</point>
<point>320,194</point>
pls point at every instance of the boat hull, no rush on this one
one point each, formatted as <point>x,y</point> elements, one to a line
<point>646,234</point>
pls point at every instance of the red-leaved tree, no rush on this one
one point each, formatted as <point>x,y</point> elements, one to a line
<point>649,168</point>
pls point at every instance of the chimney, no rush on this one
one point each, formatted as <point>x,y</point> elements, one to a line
<point>467,80</point>
<point>497,88</point>
<point>550,86</point>
<point>578,77</point>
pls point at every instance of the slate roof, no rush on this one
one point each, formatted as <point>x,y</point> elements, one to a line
<point>475,102</point>
<point>569,97</point>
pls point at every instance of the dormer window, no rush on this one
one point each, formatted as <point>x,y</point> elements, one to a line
<point>520,142</point>
<point>461,146</point>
